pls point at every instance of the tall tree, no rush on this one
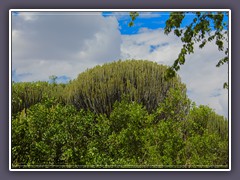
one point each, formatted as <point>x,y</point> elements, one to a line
<point>142,81</point>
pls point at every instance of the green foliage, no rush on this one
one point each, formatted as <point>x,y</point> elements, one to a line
<point>149,122</point>
<point>162,142</point>
<point>175,107</point>
<point>98,88</point>
<point>128,120</point>
<point>205,151</point>
<point>206,139</point>
<point>133,16</point>
<point>198,31</point>
<point>54,136</point>
<point>26,94</point>
<point>53,79</point>
<point>57,136</point>
<point>203,119</point>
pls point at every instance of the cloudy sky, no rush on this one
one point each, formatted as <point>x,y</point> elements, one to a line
<point>67,43</point>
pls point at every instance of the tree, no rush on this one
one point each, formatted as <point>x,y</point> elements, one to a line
<point>26,94</point>
<point>200,30</point>
<point>53,79</point>
<point>142,81</point>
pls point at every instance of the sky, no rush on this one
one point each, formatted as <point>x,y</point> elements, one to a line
<point>67,43</point>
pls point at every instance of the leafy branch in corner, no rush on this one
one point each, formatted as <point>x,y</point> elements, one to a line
<point>204,28</point>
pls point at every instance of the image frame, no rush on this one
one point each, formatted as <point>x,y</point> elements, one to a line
<point>112,10</point>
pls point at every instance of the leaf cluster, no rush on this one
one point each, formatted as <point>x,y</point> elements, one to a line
<point>204,28</point>
<point>200,31</point>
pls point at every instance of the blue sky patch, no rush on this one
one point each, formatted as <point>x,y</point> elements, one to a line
<point>216,93</point>
<point>63,79</point>
<point>154,47</point>
<point>14,76</point>
<point>18,77</point>
<point>150,20</point>
<point>15,13</point>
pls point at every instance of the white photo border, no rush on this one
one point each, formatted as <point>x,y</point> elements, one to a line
<point>117,10</point>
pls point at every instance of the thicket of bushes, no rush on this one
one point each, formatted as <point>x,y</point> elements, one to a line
<point>120,115</point>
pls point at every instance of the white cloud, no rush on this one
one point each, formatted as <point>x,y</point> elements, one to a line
<point>150,14</point>
<point>124,15</point>
<point>28,16</point>
<point>138,46</point>
<point>62,43</point>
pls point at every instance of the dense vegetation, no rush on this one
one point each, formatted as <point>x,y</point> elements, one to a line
<point>119,115</point>
<point>97,89</point>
